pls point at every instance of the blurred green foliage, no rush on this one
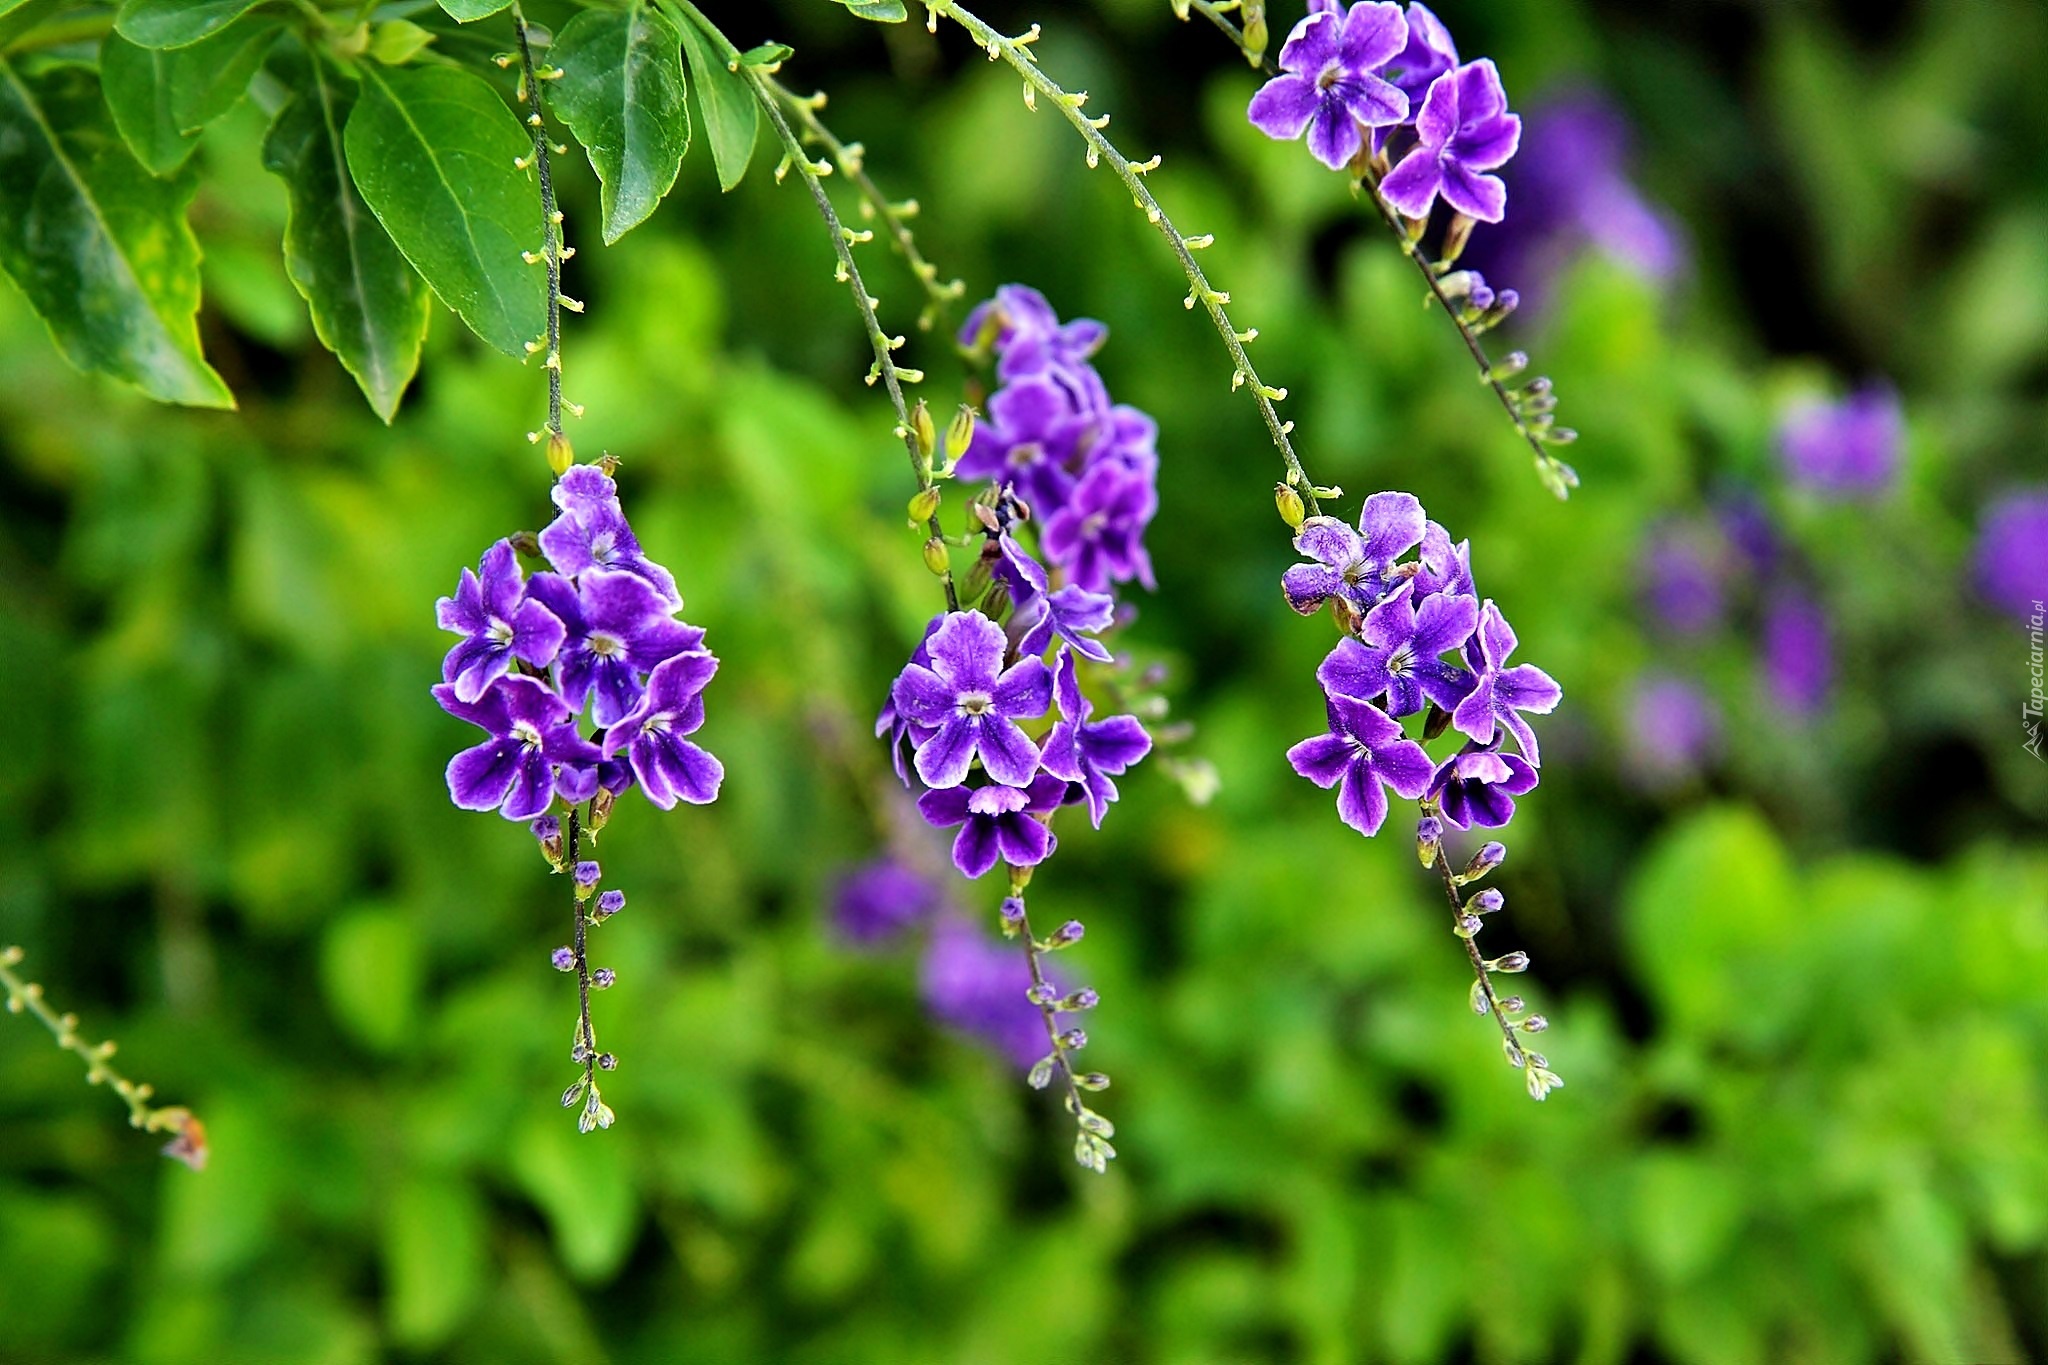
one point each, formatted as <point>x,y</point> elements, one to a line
<point>1796,1001</point>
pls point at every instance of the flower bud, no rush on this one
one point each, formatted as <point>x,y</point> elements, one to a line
<point>1066,935</point>
<point>564,959</point>
<point>1038,993</point>
<point>1292,510</point>
<point>603,979</point>
<point>1429,839</point>
<point>959,434</point>
<point>1510,962</point>
<point>1468,926</point>
<point>574,1092</point>
<point>547,831</point>
<point>1013,915</point>
<point>1093,1080</point>
<point>1456,235</point>
<point>587,875</point>
<point>1083,999</point>
<point>610,903</point>
<point>607,1062</point>
<point>935,557</point>
<point>1488,857</point>
<point>1486,902</point>
<point>1512,1004</point>
<point>1074,1039</point>
<point>1535,1023</point>
<point>923,431</point>
<point>560,453</point>
<point>601,809</point>
<point>924,505</point>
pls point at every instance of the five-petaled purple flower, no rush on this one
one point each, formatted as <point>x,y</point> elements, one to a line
<point>1364,749</point>
<point>499,622</point>
<point>618,627</point>
<point>1354,565</point>
<point>1398,653</point>
<point>1090,752</point>
<point>1328,88</point>
<point>591,533</point>
<point>1478,786</point>
<point>1501,694</point>
<point>669,767</point>
<point>997,823</point>
<point>1098,537</point>
<point>1464,129</point>
<point>531,730</point>
<point>972,704</point>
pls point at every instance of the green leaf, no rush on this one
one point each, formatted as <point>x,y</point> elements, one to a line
<point>161,98</point>
<point>432,150</point>
<point>880,11</point>
<point>99,246</point>
<point>177,23</point>
<point>469,11</point>
<point>369,306</point>
<point>622,94</point>
<point>436,1260</point>
<point>767,55</point>
<point>731,116</point>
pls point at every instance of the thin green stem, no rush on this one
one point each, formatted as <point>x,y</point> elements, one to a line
<point>1557,475</point>
<point>26,997</point>
<point>850,158</point>
<point>1017,53</point>
<point>885,369</point>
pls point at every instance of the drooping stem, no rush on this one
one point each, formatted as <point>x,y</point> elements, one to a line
<point>586,1034</point>
<point>884,346</point>
<point>851,159</point>
<point>551,251</point>
<point>1517,1055</point>
<point>26,997</point>
<point>1017,53</point>
<point>1091,1130</point>
<point>1556,475</point>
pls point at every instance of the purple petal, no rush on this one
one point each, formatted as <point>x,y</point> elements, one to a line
<point>1025,690</point>
<point>967,651</point>
<point>1361,803</point>
<point>537,634</point>
<point>1484,197</point>
<point>1283,106</point>
<point>478,778</point>
<point>463,613</point>
<point>1313,44</point>
<point>1404,767</point>
<point>1333,136</point>
<point>1322,759</point>
<point>1412,185</point>
<point>1373,34</point>
<point>1353,670</point>
<point>1007,753</point>
<point>943,760</point>
<point>670,768</point>
<point>1116,743</point>
<point>944,808</point>
<point>1437,121</point>
<point>1391,524</point>
<point>923,696</point>
<point>1022,840</point>
<point>974,848</point>
<point>1308,586</point>
<point>533,787</point>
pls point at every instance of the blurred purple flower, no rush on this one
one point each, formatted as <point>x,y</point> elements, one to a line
<point>1674,728</point>
<point>1798,653</point>
<point>1747,527</point>
<point>878,900</point>
<point>1683,570</point>
<point>1572,191</point>
<point>977,984</point>
<point>1847,448</point>
<point>2011,559</point>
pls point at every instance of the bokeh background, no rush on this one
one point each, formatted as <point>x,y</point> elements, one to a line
<point>1789,918</point>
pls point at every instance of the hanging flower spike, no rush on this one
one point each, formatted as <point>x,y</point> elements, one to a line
<point>1327,87</point>
<point>1398,652</point>
<point>1464,129</point>
<point>1087,752</point>
<point>669,767</point>
<point>531,730</point>
<point>997,823</point>
<point>1503,693</point>
<point>1477,786</point>
<point>1364,750</point>
<point>972,705</point>
<point>490,608</point>
<point>617,627</point>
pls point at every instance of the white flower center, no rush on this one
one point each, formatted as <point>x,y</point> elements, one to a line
<point>604,646</point>
<point>1401,661</point>
<point>601,547</point>
<point>500,631</point>
<point>526,733</point>
<point>975,703</point>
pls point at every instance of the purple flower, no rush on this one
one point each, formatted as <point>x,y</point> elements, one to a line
<point>1090,752</point>
<point>1478,786</point>
<point>499,623</point>
<point>898,729</point>
<point>1363,750</point>
<point>1503,693</point>
<point>879,900</point>
<point>1029,336</point>
<point>1398,654</point>
<point>2011,559</point>
<point>1328,88</point>
<point>971,704</point>
<point>1849,448</point>
<point>1098,537</point>
<point>1444,567</point>
<point>1682,572</point>
<point>1031,440</point>
<point>1464,129</point>
<point>591,533</point>
<point>1428,53</point>
<point>1747,528</point>
<point>1674,727</point>
<point>1036,616</point>
<point>1353,565</point>
<point>977,985</point>
<point>997,823</point>
<point>669,767</point>
<point>1798,655</point>
<point>617,627</point>
<point>531,730</point>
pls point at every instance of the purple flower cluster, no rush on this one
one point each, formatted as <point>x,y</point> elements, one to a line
<point>1849,448</point>
<point>1085,467</point>
<point>1372,76</point>
<point>1417,638</point>
<point>597,630</point>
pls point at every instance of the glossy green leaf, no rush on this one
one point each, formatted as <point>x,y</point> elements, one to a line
<point>162,97</point>
<point>468,11</point>
<point>731,116</point>
<point>880,11</point>
<point>100,247</point>
<point>176,23</point>
<point>369,306</point>
<point>433,150</point>
<point>622,94</point>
